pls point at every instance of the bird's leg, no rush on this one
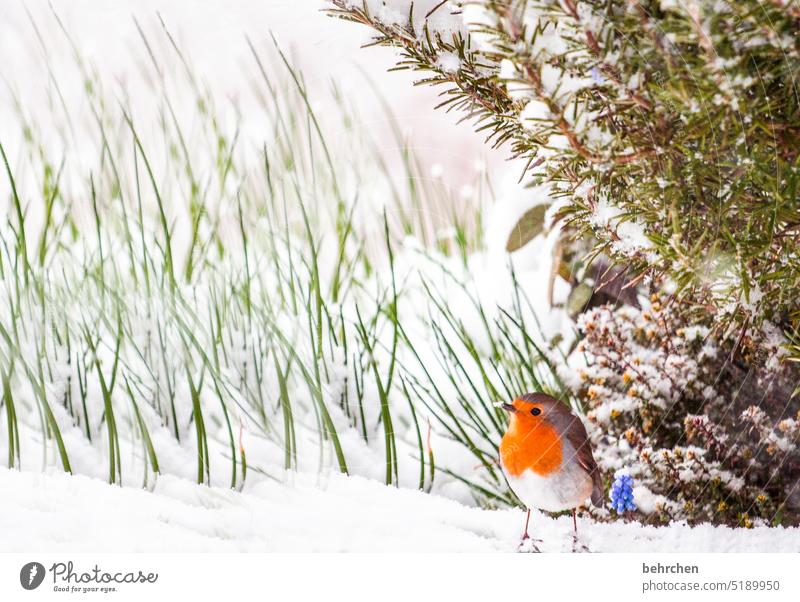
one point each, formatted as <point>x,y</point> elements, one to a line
<point>576,545</point>
<point>527,520</point>
<point>527,544</point>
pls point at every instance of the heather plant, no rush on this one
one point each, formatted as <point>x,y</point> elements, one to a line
<point>668,406</point>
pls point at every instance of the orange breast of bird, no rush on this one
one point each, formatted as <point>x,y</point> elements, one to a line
<point>536,447</point>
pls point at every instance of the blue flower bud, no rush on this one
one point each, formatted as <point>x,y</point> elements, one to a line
<point>622,494</point>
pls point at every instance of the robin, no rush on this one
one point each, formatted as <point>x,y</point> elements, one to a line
<point>547,459</point>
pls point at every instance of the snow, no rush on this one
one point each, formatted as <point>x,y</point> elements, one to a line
<point>448,62</point>
<point>331,513</point>
<point>438,16</point>
<point>477,19</point>
<point>535,110</point>
<point>631,237</point>
<point>517,89</point>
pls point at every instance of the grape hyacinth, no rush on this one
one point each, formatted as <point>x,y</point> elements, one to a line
<point>622,493</point>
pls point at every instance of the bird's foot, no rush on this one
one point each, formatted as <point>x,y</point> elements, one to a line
<point>528,545</point>
<point>578,547</point>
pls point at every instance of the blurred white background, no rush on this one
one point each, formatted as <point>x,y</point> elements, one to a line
<point>212,34</point>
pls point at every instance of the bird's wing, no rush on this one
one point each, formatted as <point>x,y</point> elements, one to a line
<point>577,437</point>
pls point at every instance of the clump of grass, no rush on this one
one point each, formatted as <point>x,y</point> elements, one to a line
<point>234,312</point>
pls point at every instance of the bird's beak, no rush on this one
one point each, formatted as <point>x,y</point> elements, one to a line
<point>508,407</point>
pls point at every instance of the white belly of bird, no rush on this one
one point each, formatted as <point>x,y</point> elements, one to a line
<point>564,489</point>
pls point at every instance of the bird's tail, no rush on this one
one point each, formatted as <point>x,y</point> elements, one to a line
<point>598,499</point>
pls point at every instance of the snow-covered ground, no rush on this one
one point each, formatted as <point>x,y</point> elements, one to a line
<point>55,512</point>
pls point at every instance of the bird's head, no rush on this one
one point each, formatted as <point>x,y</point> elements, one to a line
<point>533,410</point>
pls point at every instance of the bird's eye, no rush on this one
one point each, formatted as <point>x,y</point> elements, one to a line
<point>536,411</point>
